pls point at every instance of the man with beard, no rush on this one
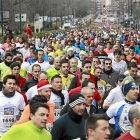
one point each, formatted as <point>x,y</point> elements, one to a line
<point>109,75</point>
<point>66,77</point>
<point>74,67</point>
<point>4,66</point>
<point>86,67</point>
<point>11,104</point>
<point>101,84</point>
<point>71,125</point>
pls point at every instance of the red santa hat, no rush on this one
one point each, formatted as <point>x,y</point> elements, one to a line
<point>43,84</point>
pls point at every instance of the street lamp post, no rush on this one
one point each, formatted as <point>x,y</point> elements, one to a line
<point>20,16</point>
<point>2,16</point>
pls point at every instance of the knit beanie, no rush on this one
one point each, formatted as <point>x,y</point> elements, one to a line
<point>127,84</point>
<point>43,84</point>
<point>76,99</point>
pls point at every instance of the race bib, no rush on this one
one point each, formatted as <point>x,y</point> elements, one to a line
<point>7,120</point>
<point>108,87</point>
<point>124,122</point>
<point>101,90</point>
<point>57,114</point>
<point>49,127</point>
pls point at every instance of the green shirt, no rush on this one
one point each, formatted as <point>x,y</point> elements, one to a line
<point>51,72</point>
<point>3,69</point>
<point>26,131</point>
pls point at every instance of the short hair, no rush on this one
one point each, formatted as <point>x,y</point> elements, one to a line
<point>15,64</point>
<point>44,72</point>
<point>85,62</point>
<point>134,112</point>
<point>35,65</point>
<point>108,42</point>
<point>8,77</point>
<point>40,50</point>
<point>97,68</point>
<point>132,65</point>
<point>96,57</point>
<point>123,55</point>
<point>83,73</point>
<point>132,48</point>
<point>17,59</point>
<point>101,44</point>
<point>64,61</point>
<point>74,58</point>
<point>55,76</point>
<point>92,121</point>
<point>83,90</point>
<point>19,53</point>
<point>39,98</point>
<point>117,52</point>
<point>8,54</point>
<point>85,83</point>
<point>35,105</point>
<point>107,59</point>
<point>34,50</point>
<point>134,58</point>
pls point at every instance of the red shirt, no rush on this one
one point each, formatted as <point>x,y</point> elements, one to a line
<point>24,96</point>
<point>21,81</point>
<point>93,78</point>
<point>127,136</point>
<point>28,31</point>
<point>96,96</point>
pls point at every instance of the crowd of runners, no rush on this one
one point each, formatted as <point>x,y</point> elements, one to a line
<point>81,84</point>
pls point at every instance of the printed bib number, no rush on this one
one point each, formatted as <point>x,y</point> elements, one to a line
<point>8,120</point>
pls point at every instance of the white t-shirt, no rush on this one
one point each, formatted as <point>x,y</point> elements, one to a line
<point>57,100</point>
<point>9,110</point>
<point>111,56</point>
<point>31,92</point>
<point>44,66</point>
<point>120,111</point>
<point>114,96</point>
<point>25,52</point>
<point>120,67</point>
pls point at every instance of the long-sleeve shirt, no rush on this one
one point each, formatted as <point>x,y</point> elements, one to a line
<point>26,131</point>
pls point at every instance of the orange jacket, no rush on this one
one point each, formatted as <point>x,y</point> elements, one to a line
<point>26,114</point>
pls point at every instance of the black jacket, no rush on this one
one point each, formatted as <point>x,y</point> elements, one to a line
<point>69,127</point>
<point>93,110</point>
<point>29,83</point>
